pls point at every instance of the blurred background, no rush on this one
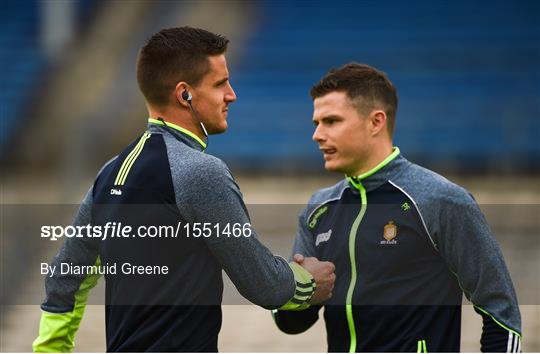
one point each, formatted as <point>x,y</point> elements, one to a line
<point>468,80</point>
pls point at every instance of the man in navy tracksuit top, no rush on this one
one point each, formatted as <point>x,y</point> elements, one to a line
<point>164,179</point>
<point>406,242</point>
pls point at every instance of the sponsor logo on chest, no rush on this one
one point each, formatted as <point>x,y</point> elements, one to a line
<point>323,237</point>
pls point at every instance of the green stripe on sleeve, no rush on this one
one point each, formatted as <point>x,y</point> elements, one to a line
<point>304,284</point>
<point>126,162</point>
<point>303,293</point>
<point>130,160</point>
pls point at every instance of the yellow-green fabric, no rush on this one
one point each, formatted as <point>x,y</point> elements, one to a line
<point>421,346</point>
<point>57,330</point>
<point>305,287</point>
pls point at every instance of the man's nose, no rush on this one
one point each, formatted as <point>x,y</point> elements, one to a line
<point>230,96</point>
<point>318,134</point>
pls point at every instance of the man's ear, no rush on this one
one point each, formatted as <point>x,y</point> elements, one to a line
<point>378,122</point>
<point>179,90</point>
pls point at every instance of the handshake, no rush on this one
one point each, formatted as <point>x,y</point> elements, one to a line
<point>323,273</point>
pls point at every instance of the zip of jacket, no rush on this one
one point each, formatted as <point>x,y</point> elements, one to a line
<point>356,182</point>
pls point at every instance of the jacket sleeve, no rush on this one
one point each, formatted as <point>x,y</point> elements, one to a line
<point>294,322</point>
<point>66,295</point>
<point>262,278</point>
<point>472,254</point>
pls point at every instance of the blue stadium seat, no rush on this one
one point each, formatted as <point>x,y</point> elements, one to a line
<point>22,61</point>
<point>467,74</point>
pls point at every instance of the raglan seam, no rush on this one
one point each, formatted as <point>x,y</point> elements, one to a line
<point>419,213</point>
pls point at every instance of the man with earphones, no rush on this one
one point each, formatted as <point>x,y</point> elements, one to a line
<point>164,179</point>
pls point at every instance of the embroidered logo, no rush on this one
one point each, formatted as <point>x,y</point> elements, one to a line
<point>316,216</point>
<point>389,234</point>
<point>325,236</point>
<point>116,192</point>
<point>405,206</point>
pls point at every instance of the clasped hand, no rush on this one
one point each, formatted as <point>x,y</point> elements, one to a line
<point>322,272</point>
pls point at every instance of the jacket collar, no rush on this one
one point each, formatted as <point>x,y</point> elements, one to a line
<point>380,174</point>
<point>180,133</point>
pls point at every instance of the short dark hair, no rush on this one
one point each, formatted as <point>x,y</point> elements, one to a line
<point>173,55</point>
<point>365,86</point>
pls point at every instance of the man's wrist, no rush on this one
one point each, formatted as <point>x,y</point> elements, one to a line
<point>305,287</point>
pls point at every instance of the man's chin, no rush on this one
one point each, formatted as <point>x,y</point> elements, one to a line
<point>217,130</point>
<point>332,166</point>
